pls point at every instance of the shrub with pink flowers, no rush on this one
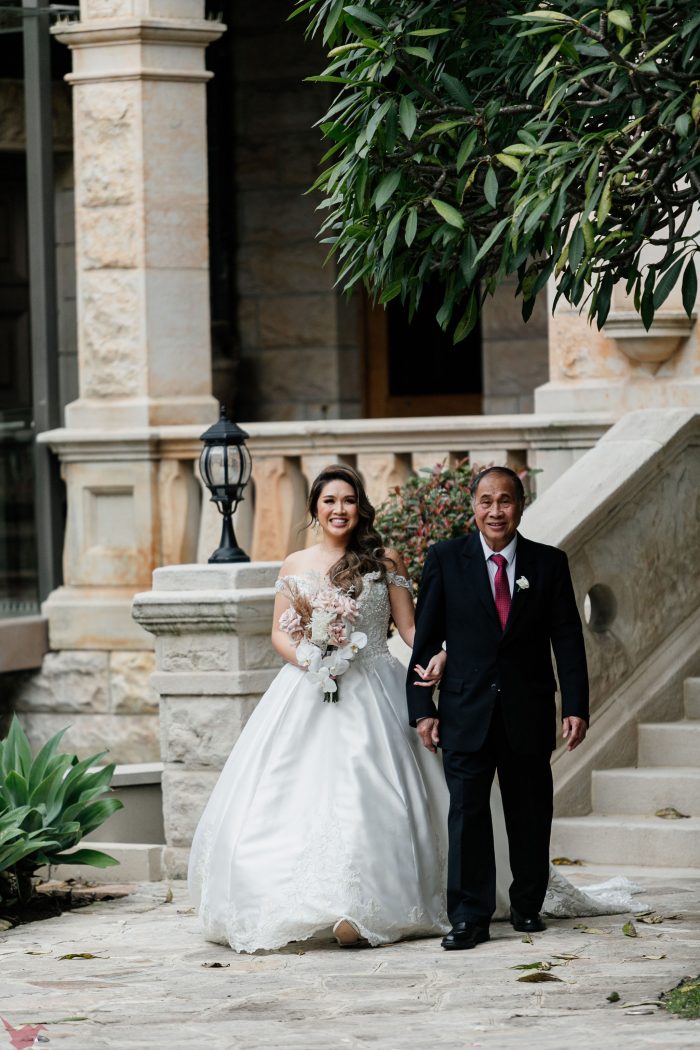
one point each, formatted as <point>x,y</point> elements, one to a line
<point>430,506</point>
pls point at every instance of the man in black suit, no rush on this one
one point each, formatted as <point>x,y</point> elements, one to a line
<point>500,602</point>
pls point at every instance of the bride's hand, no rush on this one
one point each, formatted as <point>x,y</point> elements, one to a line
<point>432,674</point>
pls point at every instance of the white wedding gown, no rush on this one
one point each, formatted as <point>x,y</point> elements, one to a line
<point>335,810</point>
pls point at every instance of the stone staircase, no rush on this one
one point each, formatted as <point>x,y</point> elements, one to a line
<point>622,828</point>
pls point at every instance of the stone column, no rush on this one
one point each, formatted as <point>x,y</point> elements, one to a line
<point>214,660</point>
<point>144,355</point>
<point>144,358</point>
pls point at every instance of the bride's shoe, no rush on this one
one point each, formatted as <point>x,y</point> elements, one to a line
<point>346,933</point>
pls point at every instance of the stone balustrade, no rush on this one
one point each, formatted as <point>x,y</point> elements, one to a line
<point>287,457</point>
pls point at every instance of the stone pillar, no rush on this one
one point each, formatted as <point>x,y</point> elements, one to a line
<point>214,660</point>
<point>144,357</point>
<point>622,367</point>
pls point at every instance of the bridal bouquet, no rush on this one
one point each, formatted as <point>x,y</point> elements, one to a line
<point>320,627</point>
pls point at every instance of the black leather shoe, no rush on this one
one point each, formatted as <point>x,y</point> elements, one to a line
<point>465,935</point>
<point>526,923</point>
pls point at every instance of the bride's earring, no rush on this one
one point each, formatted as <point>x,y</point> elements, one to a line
<point>315,526</point>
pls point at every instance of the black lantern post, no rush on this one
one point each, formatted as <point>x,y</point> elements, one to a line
<point>225,465</point>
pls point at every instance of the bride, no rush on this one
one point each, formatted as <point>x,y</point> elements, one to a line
<point>333,816</point>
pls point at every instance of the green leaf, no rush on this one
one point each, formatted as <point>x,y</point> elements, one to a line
<point>629,929</point>
<point>466,149</point>
<point>667,284</point>
<point>457,90</point>
<point>604,205</point>
<point>419,52</point>
<point>690,287</point>
<point>491,186</point>
<point>646,309</point>
<point>491,239</point>
<point>364,15</point>
<point>548,16</point>
<point>408,117</point>
<point>510,162</point>
<point>375,120</point>
<point>448,213</point>
<point>390,292</point>
<point>96,858</point>
<point>392,233</point>
<point>468,319</point>
<point>385,189</point>
<point>620,18</point>
<point>682,125</point>
<point>428,32</point>
<point>411,227</point>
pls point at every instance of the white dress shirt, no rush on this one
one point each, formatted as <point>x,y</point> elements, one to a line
<point>509,554</point>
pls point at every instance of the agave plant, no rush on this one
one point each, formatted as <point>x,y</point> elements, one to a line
<point>48,804</point>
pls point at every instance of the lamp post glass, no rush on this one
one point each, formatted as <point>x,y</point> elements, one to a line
<point>225,466</point>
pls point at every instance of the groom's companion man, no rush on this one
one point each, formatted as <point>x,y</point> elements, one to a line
<point>502,603</point>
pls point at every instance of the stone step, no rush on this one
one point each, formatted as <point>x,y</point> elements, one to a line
<point>669,744</point>
<point>138,862</point>
<point>644,841</point>
<point>643,791</point>
<point>691,697</point>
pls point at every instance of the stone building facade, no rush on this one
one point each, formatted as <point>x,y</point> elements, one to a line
<point>189,273</point>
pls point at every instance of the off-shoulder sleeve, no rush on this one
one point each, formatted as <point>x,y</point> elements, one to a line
<point>398,581</point>
<point>279,584</point>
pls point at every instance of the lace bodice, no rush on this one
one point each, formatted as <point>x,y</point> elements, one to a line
<point>374,604</point>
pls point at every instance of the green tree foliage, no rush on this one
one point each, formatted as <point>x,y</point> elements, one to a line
<point>473,140</point>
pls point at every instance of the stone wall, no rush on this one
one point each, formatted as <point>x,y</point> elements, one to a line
<point>104,698</point>
<point>298,337</point>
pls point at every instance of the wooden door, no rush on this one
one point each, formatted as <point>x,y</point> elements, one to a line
<point>413,369</point>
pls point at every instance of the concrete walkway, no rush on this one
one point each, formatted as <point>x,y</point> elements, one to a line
<point>154,984</point>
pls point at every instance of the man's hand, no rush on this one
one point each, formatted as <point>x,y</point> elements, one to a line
<point>428,731</point>
<point>574,730</point>
<point>431,674</point>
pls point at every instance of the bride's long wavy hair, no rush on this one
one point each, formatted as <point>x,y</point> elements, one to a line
<point>365,550</point>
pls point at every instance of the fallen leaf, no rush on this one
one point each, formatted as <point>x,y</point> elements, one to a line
<point>216,965</point>
<point>185,911</point>
<point>652,919</point>
<point>614,997</point>
<point>37,953</point>
<point>168,899</point>
<point>655,957</point>
<point>538,977</point>
<point>566,958</point>
<point>589,929</point>
<point>533,966</point>
<point>643,1002</point>
<point>301,953</point>
<point>671,813</point>
<point>566,860</point>
<point>629,929</point>
<point>527,939</point>
<point>82,955</point>
<point>638,1011</point>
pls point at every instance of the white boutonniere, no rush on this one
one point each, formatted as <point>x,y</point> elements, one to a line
<point>523,583</point>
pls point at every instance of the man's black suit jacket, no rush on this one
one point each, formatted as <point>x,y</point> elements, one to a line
<point>486,664</point>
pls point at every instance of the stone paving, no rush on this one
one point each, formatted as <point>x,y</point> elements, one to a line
<point>154,985</point>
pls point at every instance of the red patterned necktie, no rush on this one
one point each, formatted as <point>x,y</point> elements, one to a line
<point>501,588</point>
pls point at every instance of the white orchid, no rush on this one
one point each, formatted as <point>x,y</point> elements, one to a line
<point>335,663</point>
<point>523,583</point>
<point>324,679</point>
<point>357,641</point>
<point>309,656</point>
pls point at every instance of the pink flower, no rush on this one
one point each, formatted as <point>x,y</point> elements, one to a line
<point>290,623</point>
